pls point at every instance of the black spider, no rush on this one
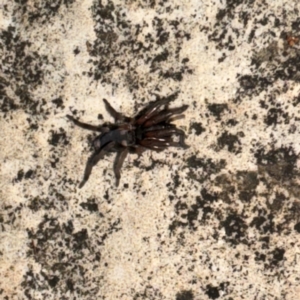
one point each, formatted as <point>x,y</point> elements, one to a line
<point>150,129</point>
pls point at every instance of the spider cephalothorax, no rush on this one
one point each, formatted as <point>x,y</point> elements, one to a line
<point>150,129</point>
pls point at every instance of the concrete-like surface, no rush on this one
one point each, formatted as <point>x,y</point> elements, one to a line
<point>220,220</point>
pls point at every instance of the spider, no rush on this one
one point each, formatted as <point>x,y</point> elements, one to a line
<point>149,129</point>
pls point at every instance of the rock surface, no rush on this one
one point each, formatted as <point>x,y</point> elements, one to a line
<point>220,220</point>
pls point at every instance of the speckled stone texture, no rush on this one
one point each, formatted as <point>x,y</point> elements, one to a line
<point>220,220</point>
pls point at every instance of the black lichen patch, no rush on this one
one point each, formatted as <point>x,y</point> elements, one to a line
<point>235,229</point>
<point>278,202</point>
<point>53,281</point>
<point>188,216</point>
<point>247,183</point>
<point>207,167</point>
<point>278,163</point>
<point>76,51</point>
<point>270,259</point>
<point>30,174</point>
<point>220,33</point>
<point>10,216</point>
<point>57,138</point>
<point>25,65</point>
<point>277,256</point>
<point>154,164</point>
<point>59,141</point>
<point>208,207</point>
<point>41,12</point>
<point>263,222</point>
<point>185,295</point>
<point>69,246</point>
<point>66,267</point>
<point>217,109</point>
<point>54,199</point>
<point>176,180</point>
<point>160,49</point>
<point>213,292</point>
<point>253,84</point>
<point>230,141</point>
<point>258,222</point>
<point>38,203</point>
<point>80,240</point>
<point>232,122</point>
<point>19,176</point>
<point>90,205</point>
<point>149,293</point>
<point>23,72</point>
<point>197,127</point>
<point>205,203</point>
<point>262,78</point>
<point>228,188</point>
<point>58,102</point>
<point>276,116</point>
<point>216,205</point>
<point>275,61</point>
<point>274,111</point>
<point>296,101</point>
<point>297,227</point>
<point>6,103</point>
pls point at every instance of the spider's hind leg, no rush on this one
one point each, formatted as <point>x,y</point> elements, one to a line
<point>181,138</point>
<point>164,134</point>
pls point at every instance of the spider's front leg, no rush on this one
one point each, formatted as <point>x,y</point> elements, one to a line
<point>93,160</point>
<point>87,126</point>
<point>115,114</point>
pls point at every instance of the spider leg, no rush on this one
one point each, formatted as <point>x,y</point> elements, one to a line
<point>153,108</point>
<point>121,155</point>
<point>139,150</point>
<point>164,139</point>
<point>169,132</point>
<point>165,115</point>
<point>181,142</point>
<point>93,160</point>
<point>161,132</point>
<point>156,144</point>
<point>85,125</point>
<point>175,118</point>
<point>116,115</point>
<point>166,132</point>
